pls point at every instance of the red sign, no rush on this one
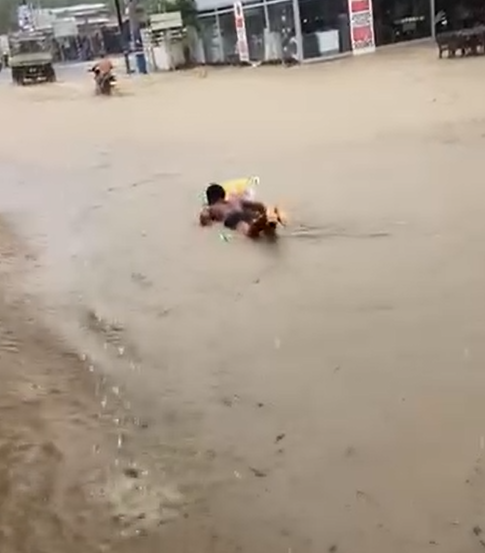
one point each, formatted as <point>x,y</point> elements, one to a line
<point>360,6</point>
<point>361,26</point>
<point>242,39</point>
<point>362,35</point>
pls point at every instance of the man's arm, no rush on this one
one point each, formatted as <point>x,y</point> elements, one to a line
<point>205,217</point>
<point>210,214</point>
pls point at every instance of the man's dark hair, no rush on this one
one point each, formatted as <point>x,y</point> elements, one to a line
<point>215,193</point>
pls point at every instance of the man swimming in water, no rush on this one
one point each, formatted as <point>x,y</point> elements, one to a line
<point>237,213</point>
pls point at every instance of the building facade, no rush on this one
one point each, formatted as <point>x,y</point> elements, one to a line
<point>290,30</point>
<point>310,29</point>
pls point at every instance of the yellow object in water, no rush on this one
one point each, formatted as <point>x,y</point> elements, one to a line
<point>244,187</point>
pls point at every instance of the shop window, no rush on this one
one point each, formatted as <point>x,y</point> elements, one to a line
<point>452,15</point>
<point>325,27</point>
<point>401,20</point>
<point>211,40</point>
<point>229,37</point>
<point>255,32</point>
<point>281,36</point>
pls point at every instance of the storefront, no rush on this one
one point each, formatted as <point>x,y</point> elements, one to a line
<point>301,30</point>
<point>404,20</point>
<point>270,32</point>
<point>288,30</point>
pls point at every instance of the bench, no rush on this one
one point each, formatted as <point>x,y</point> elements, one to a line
<point>470,42</point>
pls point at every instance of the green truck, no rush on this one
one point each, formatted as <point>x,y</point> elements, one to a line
<point>31,59</point>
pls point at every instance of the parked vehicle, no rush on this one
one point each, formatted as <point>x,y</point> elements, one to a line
<point>31,59</point>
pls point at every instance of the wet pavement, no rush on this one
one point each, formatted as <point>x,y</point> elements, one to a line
<point>321,393</point>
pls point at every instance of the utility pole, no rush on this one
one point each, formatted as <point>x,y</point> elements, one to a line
<point>135,36</point>
<point>133,23</point>
<point>124,44</point>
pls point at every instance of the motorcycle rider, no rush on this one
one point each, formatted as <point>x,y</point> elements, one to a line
<point>103,70</point>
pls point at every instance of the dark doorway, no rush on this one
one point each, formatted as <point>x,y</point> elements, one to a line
<point>401,20</point>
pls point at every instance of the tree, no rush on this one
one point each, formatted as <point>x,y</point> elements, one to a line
<point>8,10</point>
<point>8,15</point>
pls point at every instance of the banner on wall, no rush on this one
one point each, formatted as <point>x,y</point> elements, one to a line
<point>361,26</point>
<point>242,39</point>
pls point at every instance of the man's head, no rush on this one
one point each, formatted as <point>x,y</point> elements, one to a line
<point>215,193</point>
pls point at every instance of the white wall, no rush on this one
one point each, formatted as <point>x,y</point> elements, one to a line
<point>211,4</point>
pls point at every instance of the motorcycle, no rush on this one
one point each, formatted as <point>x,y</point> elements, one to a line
<point>105,84</point>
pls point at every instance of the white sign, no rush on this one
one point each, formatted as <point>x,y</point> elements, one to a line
<point>43,19</point>
<point>164,21</point>
<point>242,39</point>
<point>64,28</point>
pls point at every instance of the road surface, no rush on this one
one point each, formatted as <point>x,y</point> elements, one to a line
<point>321,394</point>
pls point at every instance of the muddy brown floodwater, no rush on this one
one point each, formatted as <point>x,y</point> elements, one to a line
<point>163,389</point>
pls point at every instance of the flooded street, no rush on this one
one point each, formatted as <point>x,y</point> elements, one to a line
<point>324,393</point>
